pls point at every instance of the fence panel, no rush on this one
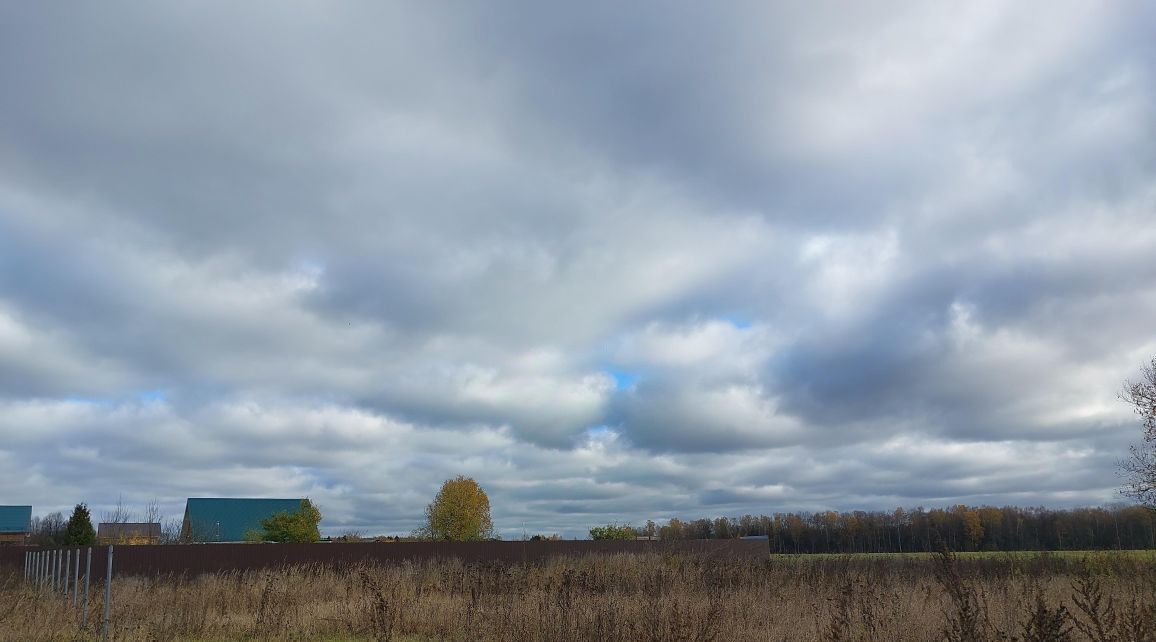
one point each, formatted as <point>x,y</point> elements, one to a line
<point>196,559</point>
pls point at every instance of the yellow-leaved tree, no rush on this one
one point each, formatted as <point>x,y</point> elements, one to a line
<point>459,513</point>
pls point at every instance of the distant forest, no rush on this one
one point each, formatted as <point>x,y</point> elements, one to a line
<point>961,528</point>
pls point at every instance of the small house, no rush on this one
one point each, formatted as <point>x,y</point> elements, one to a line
<point>15,523</point>
<point>230,519</point>
<point>128,533</point>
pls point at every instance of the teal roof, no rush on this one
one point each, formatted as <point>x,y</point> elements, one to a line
<point>15,519</point>
<point>227,519</point>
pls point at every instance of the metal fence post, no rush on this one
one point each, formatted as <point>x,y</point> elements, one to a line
<point>87,577</point>
<point>76,579</point>
<point>107,596</point>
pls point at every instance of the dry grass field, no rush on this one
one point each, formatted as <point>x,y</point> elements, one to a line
<point>628,597</point>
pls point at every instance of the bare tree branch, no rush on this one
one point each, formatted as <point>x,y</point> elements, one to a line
<point>1139,469</point>
<point>119,515</point>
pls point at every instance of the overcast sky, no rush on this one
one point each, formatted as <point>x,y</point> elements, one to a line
<point>616,261</point>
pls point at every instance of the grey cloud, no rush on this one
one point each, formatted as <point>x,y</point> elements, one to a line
<point>853,256</point>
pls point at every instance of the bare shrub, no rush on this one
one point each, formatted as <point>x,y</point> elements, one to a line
<point>1046,623</point>
<point>966,621</point>
<point>645,598</point>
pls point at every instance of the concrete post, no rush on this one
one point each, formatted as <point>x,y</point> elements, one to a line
<point>76,580</point>
<point>107,597</point>
<point>87,577</point>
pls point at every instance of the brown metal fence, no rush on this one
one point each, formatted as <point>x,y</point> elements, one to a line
<point>195,559</point>
<point>13,556</point>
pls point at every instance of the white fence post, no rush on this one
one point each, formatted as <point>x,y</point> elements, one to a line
<point>76,579</point>
<point>107,596</point>
<point>87,577</point>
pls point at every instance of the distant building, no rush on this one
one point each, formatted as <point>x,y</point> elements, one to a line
<point>128,533</point>
<point>15,522</point>
<point>229,519</point>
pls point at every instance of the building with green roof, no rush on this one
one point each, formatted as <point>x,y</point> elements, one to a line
<point>15,522</point>
<point>229,519</point>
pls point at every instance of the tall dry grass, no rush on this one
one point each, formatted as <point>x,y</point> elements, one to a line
<point>625,597</point>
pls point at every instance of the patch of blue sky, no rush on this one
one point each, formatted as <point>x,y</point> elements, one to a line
<point>598,431</point>
<point>623,380</point>
<point>739,322</point>
<point>310,266</point>
<point>151,396</point>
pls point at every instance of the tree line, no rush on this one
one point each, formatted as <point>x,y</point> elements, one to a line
<point>960,527</point>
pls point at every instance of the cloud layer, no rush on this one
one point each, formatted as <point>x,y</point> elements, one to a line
<point>614,262</point>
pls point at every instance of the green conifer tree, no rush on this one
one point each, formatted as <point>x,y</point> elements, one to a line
<point>79,530</point>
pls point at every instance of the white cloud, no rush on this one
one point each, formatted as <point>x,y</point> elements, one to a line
<point>615,262</point>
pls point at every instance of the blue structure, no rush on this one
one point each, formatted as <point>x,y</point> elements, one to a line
<point>229,519</point>
<point>15,522</point>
